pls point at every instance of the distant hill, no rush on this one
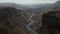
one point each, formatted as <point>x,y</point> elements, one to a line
<point>55,5</point>
<point>18,6</point>
<point>36,6</point>
<point>21,6</point>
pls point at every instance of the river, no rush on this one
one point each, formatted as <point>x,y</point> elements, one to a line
<point>28,26</point>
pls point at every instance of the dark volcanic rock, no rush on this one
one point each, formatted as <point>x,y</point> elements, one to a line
<point>51,23</point>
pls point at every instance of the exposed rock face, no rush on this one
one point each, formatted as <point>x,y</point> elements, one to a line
<point>51,23</point>
<point>10,21</point>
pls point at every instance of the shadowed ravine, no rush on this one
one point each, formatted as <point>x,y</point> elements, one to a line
<point>28,26</point>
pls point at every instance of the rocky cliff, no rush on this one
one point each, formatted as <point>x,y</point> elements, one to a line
<point>50,23</point>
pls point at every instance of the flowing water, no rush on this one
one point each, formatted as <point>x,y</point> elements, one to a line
<point>28,26</point>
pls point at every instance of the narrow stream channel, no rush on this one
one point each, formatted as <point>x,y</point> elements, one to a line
<point>28,26</point>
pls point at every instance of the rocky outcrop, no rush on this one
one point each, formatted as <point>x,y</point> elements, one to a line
<point>50,23</point>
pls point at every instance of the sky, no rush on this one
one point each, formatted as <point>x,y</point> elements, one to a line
<point>28,1</point>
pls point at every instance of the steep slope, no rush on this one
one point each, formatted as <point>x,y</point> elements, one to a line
<point>10,21</point>
<point>51,23</point>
